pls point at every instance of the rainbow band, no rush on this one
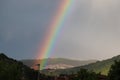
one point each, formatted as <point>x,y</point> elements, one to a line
<point>54,30</point>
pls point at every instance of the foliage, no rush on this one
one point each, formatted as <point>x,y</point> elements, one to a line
<point>114,73</point>
<point>102,67</point>
<point>11,69</point>
<point>84,74</point>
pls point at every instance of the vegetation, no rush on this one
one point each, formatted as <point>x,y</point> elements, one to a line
<point>114,73</point>
<point>11,69</point>
<point>102,67</point>
<point>84,74</point>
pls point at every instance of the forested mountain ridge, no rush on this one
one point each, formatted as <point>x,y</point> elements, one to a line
<point>11,69</point>
<point>102,67</point>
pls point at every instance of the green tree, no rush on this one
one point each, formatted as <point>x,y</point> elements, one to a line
<point>84,74</point>
<point>114,73</point>
<point>11,69</point>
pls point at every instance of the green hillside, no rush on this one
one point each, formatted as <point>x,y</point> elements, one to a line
<point>11,69</point>
<point>98,67</point>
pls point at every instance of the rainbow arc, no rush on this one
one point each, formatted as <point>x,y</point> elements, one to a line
<point>55,28</point>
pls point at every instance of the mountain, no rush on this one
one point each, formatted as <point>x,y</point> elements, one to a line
<point>11,69</point>
<point>102,67</point>
<point>58,63</point>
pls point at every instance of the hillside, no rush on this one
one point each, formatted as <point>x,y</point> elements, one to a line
<point>98,67</point>
<point>58,63</point>
<point>11,69</point>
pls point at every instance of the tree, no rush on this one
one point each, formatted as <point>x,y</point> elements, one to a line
<point>84,74</point>
<point>11,69</point>
<point>114,73</point>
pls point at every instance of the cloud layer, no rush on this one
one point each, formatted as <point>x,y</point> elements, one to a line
<point>90,32</point>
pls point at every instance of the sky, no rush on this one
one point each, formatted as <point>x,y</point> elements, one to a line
<point>91,31</point>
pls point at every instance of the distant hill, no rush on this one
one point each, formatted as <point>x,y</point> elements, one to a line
<point>55,66</point>
<point>98,67</point>
<point>58,63</point>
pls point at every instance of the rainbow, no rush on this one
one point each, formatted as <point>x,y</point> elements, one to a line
<point>55,28</point>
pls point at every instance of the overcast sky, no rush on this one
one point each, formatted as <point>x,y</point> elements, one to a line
<point>91,31</point>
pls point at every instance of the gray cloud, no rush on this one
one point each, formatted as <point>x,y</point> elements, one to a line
<point>91,31</point>
<point>23,25</point>
<point>93,28</point>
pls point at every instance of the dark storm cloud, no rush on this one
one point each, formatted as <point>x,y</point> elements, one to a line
<point>23,24</point>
